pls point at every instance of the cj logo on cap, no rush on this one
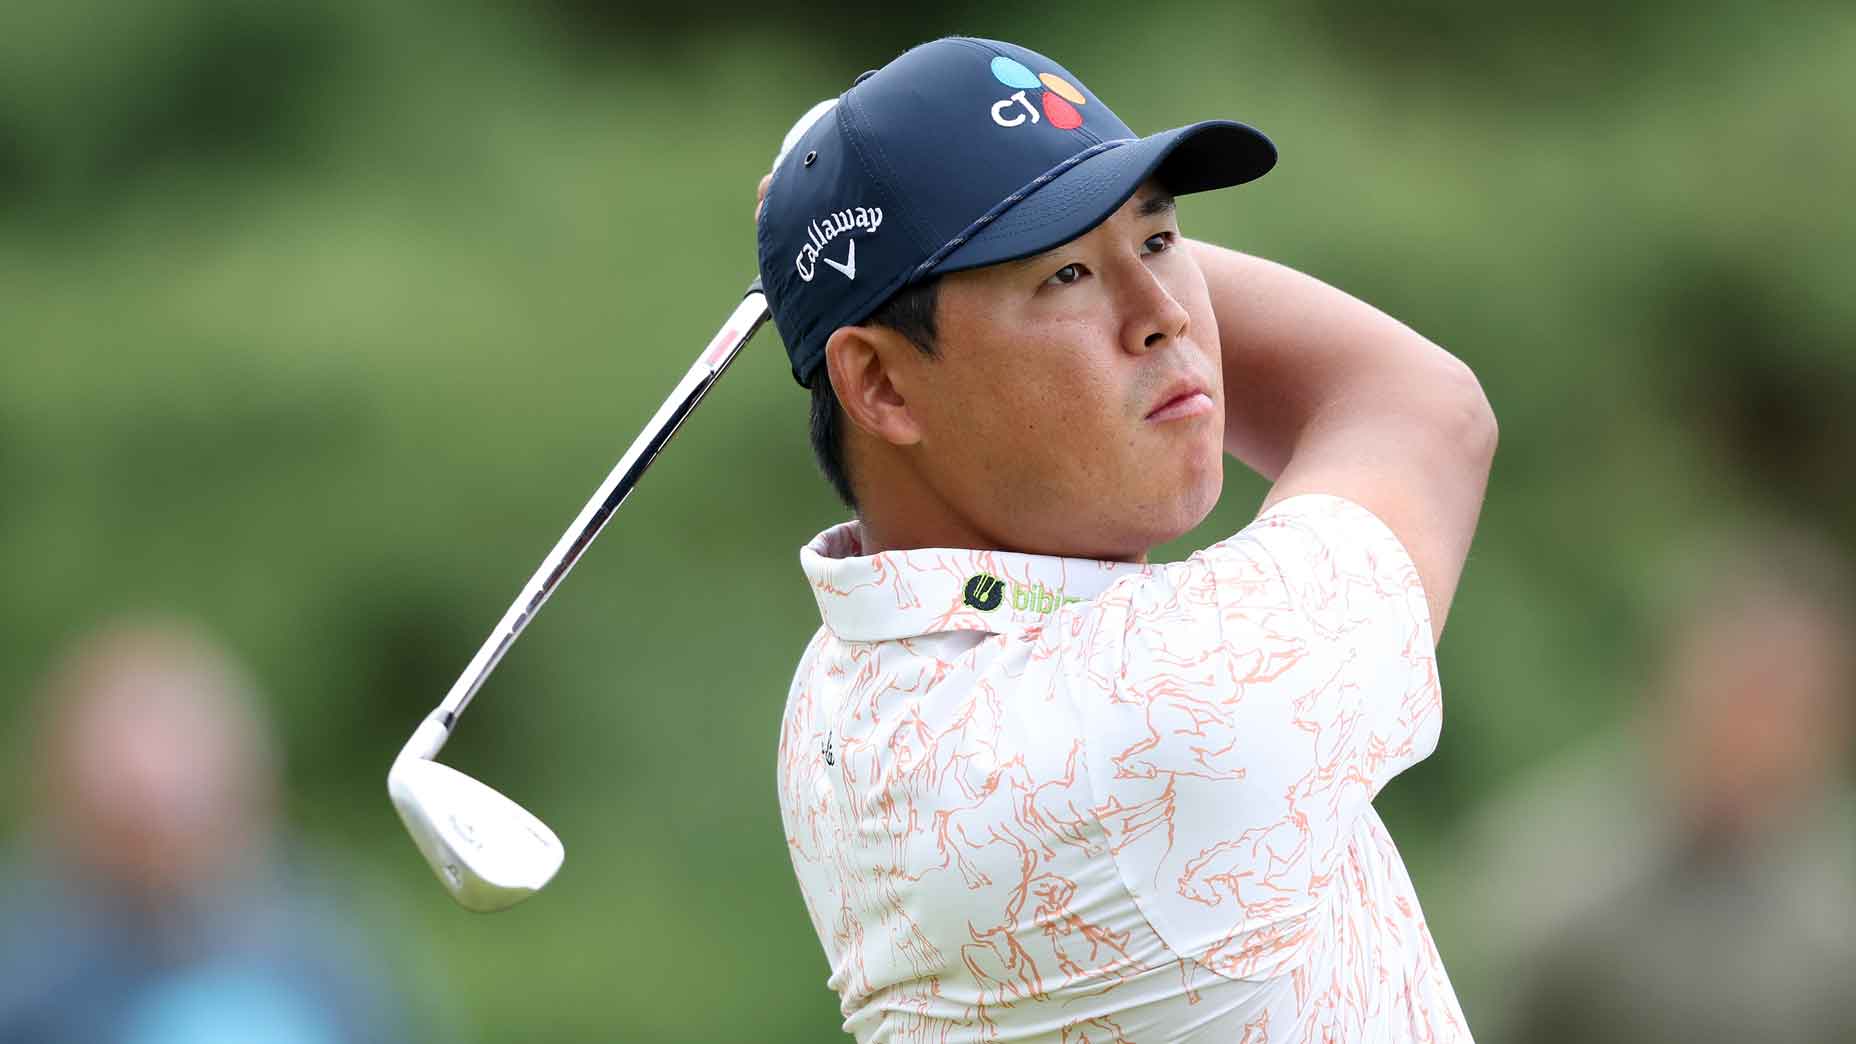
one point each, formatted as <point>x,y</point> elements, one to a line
<point>1059,99</point>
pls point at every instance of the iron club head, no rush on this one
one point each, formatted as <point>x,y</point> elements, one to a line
<point>487,851</point>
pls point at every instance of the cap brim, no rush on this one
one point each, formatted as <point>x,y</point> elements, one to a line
<point>1200,156</point>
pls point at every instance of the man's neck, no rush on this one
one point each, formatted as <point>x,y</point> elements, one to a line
<point>902,531</point>
<point>898,510</point>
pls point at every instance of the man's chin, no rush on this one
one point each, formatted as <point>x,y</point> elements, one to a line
<point>1187,520</point>
<point>1171,517</point>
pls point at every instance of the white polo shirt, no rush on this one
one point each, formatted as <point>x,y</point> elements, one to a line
<point>1048,799</point>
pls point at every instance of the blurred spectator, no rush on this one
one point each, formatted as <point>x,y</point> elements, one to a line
<point>1698,882</point>
<point>151,905</point>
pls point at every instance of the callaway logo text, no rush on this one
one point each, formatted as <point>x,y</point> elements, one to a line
<point>822,231</point>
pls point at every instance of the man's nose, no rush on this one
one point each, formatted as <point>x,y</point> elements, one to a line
<point>1154,315</point>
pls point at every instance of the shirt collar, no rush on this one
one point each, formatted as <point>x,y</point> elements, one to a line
<point>903,594</point>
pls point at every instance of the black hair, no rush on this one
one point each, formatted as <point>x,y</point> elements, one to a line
<point>909,312</point>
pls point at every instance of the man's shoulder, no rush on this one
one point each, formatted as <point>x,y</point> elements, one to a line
<point>809,660</point>
<point>1317,525</point>
<point>1324,557</point>
<point>1298,555</point>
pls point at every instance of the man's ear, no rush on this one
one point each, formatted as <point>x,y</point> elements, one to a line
<point>864,365</point>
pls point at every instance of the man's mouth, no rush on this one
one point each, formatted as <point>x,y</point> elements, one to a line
<point>1181,401</point>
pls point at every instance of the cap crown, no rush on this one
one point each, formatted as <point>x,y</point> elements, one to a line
<point>883,190</point>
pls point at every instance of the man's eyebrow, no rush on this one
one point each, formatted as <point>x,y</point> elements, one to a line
<point>1156,204</point>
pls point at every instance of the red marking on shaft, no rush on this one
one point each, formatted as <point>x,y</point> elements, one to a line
<point>718,348</point>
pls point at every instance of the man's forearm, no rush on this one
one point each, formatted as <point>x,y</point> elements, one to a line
<point>1327,394</point>
<point>1298,352</point>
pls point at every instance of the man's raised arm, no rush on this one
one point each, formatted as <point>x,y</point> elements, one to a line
<point>1326,394</point>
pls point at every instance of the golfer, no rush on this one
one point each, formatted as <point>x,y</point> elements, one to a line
<point>1035,787</point>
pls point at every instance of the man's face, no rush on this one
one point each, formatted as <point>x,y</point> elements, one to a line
<point>1076,406</point>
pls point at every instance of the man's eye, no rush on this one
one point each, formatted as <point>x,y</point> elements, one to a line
<point>1158,242</point>
<point>1067,274</point>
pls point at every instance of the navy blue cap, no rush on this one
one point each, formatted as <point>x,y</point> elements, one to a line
<point>959,153</point>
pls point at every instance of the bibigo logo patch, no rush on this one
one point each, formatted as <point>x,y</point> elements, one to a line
<point>1059,98</point>
<point>986,592</point>
<point>983,591</point>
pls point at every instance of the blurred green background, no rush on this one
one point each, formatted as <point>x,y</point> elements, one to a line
<point>319,322</point>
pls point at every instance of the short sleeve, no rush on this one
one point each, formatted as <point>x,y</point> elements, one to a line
<point>1240,711</point>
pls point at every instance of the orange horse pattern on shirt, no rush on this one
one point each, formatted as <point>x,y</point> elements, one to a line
<point>1142,816</point>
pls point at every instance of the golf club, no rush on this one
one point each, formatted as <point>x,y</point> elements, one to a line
<point>489,852</point>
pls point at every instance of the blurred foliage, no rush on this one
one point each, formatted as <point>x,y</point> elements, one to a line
<point>320,321</point>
